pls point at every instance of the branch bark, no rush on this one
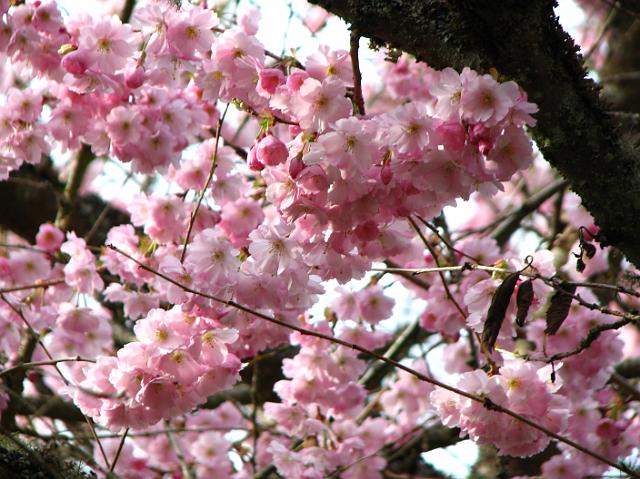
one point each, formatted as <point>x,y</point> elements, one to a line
<point>574,133</point>
<point>31,196</point>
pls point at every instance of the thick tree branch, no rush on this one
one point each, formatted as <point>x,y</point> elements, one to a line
<point>573,131</point>
<point>31,196</point>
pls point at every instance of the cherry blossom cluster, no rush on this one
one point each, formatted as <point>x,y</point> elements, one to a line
<point>311,193</point>
<point>321,399</point>
<point>520,387</point>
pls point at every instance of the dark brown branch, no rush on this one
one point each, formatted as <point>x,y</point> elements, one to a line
<point>14,378</point>
<point>629,368</point>
<point>358,99</point>
<point>399,348</point>
<point>127,10</point>
<point>31,195</point>
<point>505,229</point>
<point>70,193</point>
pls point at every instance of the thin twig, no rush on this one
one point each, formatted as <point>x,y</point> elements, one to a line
<point>594,333</point>
<point>120,446</point>
<point>504,231</point>
<point>184,467</point>
<point>603,30</point>
<point>358,99</point>
<point>127,10</point>
<point>440,273</point>
<point>40,284</point>
<point>494,269</point>
<point>446,243</point>
<point>68,198</point>
<point>145,433</point>
<point>51,362</point>
<point>214,165</point>
<point>412,278</point>
<point>624,385</point>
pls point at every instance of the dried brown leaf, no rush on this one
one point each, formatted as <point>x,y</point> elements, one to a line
<point>559,307</point>
<point>497,311</point>
<point>524,298</point>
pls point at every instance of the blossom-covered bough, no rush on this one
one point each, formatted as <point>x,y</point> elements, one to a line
<point>186,341</point>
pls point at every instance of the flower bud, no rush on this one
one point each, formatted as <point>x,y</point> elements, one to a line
<point>134,78</point>
<point>271,151</point>
<point>252,160</point>
<point>269,79</point>
<point>75,62</point>
<point>296,166</point>
<point>386,174</point>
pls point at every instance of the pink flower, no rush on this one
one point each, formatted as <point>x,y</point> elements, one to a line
<point>180,365</point>
<point>448,92</point>
<point>158,329</point>
<point>76,320</point>
<point>192,32</point>
<point>319,104</point>
<point>49,238</point>
<point>210,258</point>
<point>485,100</point>
<point>249,20</point>
<point>24,105</point>
<point>239,218</point>
<point>409,129</point>
<point>210,449</point>
<point>373,304</point>
<point>271,249</point>
<point>268,80</point>
<point>213,349</point>
<point>80,272</point>
<point>316,18</point>
<point>327,63</point>
<point>123,125</point>
<point>108,42</point>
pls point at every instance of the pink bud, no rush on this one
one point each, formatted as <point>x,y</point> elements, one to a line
<point>5,268</point>
<point>254,163</point>
<point>271,151</point>
<point>134,78</point>
<point>367,231</point>
<point>296,166</point>
<point>482,137</point>
<point>295,130</point>
<point>75,62</point>
<point>296,78</point>
<point>269,79</point>
<point>453,135</point>
<point>386,174</point>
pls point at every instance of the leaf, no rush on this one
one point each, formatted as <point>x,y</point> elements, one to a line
<point>524,299</point>
<point>559,307</point>
<point>497,310</point>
